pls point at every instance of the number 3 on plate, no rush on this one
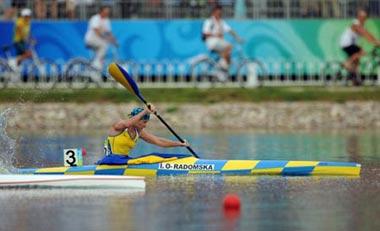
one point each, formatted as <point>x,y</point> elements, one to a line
<point>72,157</point>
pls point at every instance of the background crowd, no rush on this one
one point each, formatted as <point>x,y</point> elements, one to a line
<point>83,9</point>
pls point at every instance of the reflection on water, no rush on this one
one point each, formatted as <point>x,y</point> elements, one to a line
<point>195,202</point>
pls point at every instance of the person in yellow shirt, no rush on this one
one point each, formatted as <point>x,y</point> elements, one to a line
<point>22,36</point>
<point>123,136</point>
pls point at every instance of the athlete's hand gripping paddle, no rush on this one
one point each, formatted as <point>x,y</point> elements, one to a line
<point>122,76</point>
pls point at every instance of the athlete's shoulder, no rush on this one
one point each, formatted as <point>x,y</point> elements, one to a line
<point>95,17</point>
<point>207,20</point>
<point>19,21</point>
<point>356,22</point>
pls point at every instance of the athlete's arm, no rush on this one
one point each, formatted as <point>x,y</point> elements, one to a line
<point>111,39</point>
<point>162,142</point>
<point>121,125</point>
<point>98,32</point>
<point>365,33</point>
<point>236,36</point>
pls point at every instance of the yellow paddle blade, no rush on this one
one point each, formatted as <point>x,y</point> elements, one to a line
<point>118,75</point>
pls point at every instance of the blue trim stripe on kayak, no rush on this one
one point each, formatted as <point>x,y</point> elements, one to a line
<point>297,171</point>
<point>271,164</point>
<point>337,164</point>
<point>117,171</point>
<point>144,166</point>
<point>82,168</point>
<point>26,170</point>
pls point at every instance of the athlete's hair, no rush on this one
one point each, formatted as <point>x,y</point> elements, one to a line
<point>360,10</point>
<point>101,8</point>
<point>216,7</point>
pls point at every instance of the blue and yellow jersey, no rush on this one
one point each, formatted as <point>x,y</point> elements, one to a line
<point>121,144</point>
<point>22,30</point>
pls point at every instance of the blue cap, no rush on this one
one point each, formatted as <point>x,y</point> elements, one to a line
<point>137,110</point>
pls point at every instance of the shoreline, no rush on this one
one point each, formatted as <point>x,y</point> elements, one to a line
<point>197,116</point>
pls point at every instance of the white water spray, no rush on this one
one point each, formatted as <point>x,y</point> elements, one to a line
<point>7,144</point>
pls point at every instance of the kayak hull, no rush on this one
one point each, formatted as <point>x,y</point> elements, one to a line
<point>192,165</point>
<point>79,181</point>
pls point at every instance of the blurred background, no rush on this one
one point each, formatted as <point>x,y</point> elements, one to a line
<point>285,42</point>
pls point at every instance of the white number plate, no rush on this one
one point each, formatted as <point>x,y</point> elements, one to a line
<point>72,157</point>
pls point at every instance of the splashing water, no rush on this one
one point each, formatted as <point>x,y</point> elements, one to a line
<point>7,144</point>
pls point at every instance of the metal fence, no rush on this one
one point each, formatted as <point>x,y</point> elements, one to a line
<point>83,9</point>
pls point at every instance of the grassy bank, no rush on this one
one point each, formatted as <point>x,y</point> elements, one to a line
<point>275,94</point>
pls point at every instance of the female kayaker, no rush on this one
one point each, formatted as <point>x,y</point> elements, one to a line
<point>123,136</point>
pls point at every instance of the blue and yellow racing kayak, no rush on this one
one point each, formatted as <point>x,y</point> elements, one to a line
<point>181,164</point>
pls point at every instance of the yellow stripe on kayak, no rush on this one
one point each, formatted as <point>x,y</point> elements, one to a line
<point>336,170</point>
<point>140,172</point>
<point>267,171</point>
<point>302,163</point>
<point>186,160</point>
<point>234,165</point>
<point>150,160</point>
<point>52,170</point>
<point>104,167</point>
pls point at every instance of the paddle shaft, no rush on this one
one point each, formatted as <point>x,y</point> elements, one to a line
<point>167,125</point>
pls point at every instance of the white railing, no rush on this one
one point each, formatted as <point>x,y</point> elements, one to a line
<point>175,74</point>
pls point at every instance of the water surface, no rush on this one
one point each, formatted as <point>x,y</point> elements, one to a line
<point>195,202</point>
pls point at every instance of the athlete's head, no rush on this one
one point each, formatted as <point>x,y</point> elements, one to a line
<point>141,124</point>
<point>217,11</point>
<point>361,15</point>
<point>105,11</point>
<point>135,111</point>
<point>26,13</point>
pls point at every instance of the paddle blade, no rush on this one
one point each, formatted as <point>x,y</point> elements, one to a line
<point>122,76</point>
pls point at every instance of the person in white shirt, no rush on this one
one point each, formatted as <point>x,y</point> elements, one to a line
<point>213,32</point>
<point>99,35</point>
<point>349,41</point>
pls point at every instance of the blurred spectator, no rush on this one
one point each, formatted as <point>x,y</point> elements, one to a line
<point>9,8</point>
<point>99,35</point>
<point>83,9</point>
<point>41,7</point>
<point>7,12</point>
<point>155,8</point>
<point>213,34</point>
<point>330,9</point>
<point>130,9</point>
<point>349,43</point>
<point>65,8</point>
<point>196,7</point>
<point>58,8</point>
<point>309,9</point>
<point>21,37</point>
<point>19,4</point>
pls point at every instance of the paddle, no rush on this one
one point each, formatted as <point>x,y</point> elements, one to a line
<point>122,76</point>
